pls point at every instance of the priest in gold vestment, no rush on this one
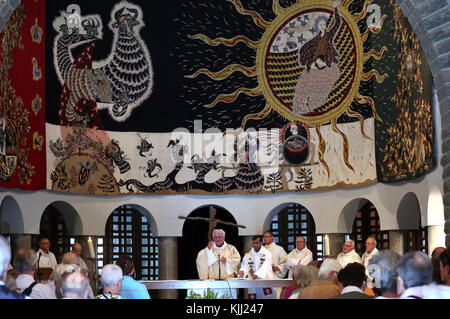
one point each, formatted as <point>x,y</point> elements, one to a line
<point>218,259</point>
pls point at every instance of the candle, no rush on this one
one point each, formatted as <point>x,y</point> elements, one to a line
<point>327,245</point>
<point>91,248</point>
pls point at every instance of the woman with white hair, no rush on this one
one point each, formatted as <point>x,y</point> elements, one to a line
<point>111,278</point>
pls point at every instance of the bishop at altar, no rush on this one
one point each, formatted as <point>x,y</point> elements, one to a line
<point>218,260</point>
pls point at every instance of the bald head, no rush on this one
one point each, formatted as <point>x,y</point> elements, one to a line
<point>70,258</point>
<point>74,286</point>
<point>44,245</point>
<point>76,249</point>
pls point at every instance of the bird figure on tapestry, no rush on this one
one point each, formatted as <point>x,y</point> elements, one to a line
<point>121,82</point>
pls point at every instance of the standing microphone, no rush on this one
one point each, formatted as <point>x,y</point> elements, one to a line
<point>219,269</point>
<point>38,268</point>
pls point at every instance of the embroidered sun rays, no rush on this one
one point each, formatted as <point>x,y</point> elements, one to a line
<point>336,64</point>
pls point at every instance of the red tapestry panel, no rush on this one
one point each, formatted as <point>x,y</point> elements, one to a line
<point>22,98</point>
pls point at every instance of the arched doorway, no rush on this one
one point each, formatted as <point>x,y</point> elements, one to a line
<point>292,221</point>
<point>128,231</point>
<point>195,238</point>
<point>11,218</point>
<point>409,220</point>
<point>367,224</point>
<point>60,223</point>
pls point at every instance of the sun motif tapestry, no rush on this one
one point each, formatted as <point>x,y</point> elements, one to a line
<point>217,97</point>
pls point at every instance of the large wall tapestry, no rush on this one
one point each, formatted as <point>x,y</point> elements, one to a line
<point>233,96</point>
<point>22,98</point>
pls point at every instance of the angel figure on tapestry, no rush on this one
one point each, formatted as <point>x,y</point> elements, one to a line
<point>319,60</point>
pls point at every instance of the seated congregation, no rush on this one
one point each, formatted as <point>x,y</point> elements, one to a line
<point>377,274</point>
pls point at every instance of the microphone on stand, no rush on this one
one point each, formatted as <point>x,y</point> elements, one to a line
<point>39,274</point>
<point>219,269</point>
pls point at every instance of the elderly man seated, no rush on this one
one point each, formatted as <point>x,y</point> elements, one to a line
<point>5,257</point>
<point>414,270</point>
<point>348,255</point>
<point>301,255</point>
<point>56,277</point>
<point>111,279</point>
<point>74,285</point>
<point>384,265</point>
<point>326,286</point>
<point>25,262</point>
<point>70,262</point>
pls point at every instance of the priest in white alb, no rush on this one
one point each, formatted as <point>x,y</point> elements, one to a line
<point>46,263</point>
<point>279,257</point>
<point>46,258</point>
<point>371,251</point>
<point>219,260</point>
<point>301,255</point>
<point>348,255</point>
<point>257,264</point>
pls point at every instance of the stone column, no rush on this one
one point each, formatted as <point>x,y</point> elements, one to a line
<point>436,238</point>
<point>336,242</point>
<point>168,264</point>
<point>398,242</point>
<point>20,241</point>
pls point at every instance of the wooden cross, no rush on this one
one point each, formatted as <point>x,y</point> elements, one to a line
<point>212,221</point>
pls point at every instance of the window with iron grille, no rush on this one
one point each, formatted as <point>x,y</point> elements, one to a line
<point>294,221</point>
<point>128,232</point>
<point>99,256</point>
<point>418,240</point>
<point>367,224</point>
